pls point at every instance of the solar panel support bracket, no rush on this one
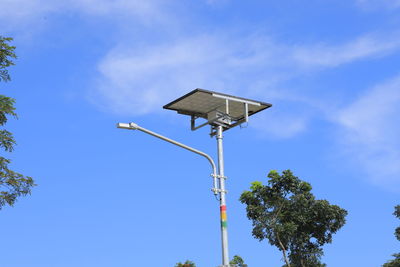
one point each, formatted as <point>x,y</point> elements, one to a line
<point>193,126</point>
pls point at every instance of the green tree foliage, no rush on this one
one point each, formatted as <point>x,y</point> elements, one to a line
<point>396,261</point>
<point>237,261</point>
<point>286,213</point>
<point>12,184</point>
<point>186,264</point>
<point>397,214</point>
<point>393,263</point>
<point>6,56</point>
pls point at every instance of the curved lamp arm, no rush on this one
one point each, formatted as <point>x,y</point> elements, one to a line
<point>134,126</point>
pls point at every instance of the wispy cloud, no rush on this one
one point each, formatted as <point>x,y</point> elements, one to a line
<point>373,4</point>
<point>370,132</point>
<point>19,14</point>
<point>217,2</point>
<point>139,80</point>
<point>25,15</point>
<point>326,55</point>
<point>149,12</point>
<point>280,124</point>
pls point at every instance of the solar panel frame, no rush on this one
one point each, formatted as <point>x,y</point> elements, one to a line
<point>218,100</point>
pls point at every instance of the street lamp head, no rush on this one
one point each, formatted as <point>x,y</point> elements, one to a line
<point>128,126</point>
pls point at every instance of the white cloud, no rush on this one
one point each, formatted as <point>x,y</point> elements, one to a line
<point>280,124</point>
<point>19,9</point>
<point>217,2</point>
<point>374,4</point>
<point>137,80</point>
<point>16,14</point>
<point>25,15</point>
<point>148,12</point>
<point>371,130</point>
<point>334,55</point>
<point>140,80</point>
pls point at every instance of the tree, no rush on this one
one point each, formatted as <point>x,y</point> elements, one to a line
<point>12,184</point>
<point>237,261</point>
<point>186,264</point>
<point>286,213</point>
<point>396,261</point>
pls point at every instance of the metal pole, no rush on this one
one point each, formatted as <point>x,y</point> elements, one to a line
<point>224,230</point>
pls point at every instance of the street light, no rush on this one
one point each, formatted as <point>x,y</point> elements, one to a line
<point>222,112</point>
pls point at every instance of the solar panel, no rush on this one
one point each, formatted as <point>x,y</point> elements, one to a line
<point>216,108</point>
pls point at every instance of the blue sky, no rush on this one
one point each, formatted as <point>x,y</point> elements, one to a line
<point>109,197</point>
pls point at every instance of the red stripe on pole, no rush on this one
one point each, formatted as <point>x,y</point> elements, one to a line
<point>223,208</point>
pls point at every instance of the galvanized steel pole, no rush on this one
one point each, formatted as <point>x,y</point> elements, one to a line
<point>221,174</point>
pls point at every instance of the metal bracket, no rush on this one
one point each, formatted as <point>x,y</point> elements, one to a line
<point>219,176</point>
<point>193,125</point>
<point>219,190</point>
